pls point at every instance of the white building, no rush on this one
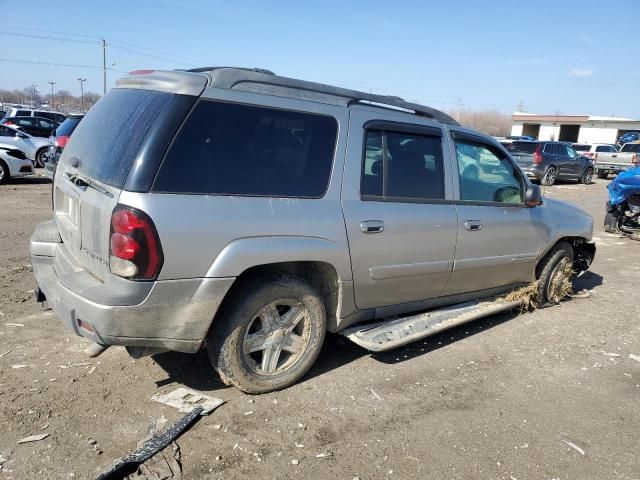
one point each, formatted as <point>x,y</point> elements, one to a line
<point>572,128</point>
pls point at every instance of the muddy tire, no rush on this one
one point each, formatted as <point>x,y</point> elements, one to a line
<point>611,223</point>
<point>553,273</point>
<point>268,335</point>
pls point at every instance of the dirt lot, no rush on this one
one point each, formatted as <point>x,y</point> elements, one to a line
<point>549,394</point>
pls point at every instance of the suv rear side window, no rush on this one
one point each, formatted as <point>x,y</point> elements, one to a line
<point>233,149</point>
<point>414,166</point>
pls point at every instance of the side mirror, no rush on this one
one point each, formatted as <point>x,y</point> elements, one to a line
<point>533,196</point>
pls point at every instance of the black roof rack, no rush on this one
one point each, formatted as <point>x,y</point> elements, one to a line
<point>231,77</point>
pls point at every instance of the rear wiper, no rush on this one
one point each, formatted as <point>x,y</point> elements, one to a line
<point>78,179</point>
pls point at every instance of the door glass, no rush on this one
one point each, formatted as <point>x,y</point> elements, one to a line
<point>486,175</point>
<point>571,152</point>
<point>414,166</point>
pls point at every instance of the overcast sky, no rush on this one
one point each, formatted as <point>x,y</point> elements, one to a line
<point>577,56</point>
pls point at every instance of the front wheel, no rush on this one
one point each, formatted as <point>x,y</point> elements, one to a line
<point>550,176</point>
<point>587,176</point>
<point>269,335</point>
<point>41,156</point>
<point>555,275</point>
<point>4,172</point>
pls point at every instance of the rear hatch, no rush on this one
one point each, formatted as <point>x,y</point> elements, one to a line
<point>522,153</point>
<point>95,164</point>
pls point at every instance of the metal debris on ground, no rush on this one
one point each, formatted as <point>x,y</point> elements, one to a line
<point>155,444</point>
<point>5,353</point>
<point>373,392</point>
<point>186,400</point>
<point>33,438</point>
<point>14,325</point>
<point>634,357</point>
<point>610,354</point>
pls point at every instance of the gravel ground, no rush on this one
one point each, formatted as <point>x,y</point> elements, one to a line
<point>542,395</point>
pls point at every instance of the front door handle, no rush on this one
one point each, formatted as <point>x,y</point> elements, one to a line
<point>473,225</point>
<point>372,226</point>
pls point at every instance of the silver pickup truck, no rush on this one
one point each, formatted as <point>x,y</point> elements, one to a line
<point>248,213</point>
<point>616,162</point>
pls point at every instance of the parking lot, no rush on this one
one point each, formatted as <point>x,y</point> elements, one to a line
<point>548,394</point>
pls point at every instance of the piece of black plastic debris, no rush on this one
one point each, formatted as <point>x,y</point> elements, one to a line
<point>155,444</point>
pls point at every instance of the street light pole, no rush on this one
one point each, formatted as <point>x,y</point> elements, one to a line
<point>104,67</point>
<point>33,95</point>
<point>52,94</point>
<point>82,80</point>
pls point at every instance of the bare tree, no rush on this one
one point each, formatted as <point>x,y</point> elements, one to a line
<point>491,122</point>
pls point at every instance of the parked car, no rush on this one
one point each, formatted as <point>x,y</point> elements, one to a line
<point>13,163</point>
<point>35,148</point>
<point>547,162</point>
<point>589,150</point>
<point>237,216</point>
<point>36,126</point>
<point>612,163</point>
<point>2,113</point>
<point>629,137</point>
<point>58,140</point>
<point>57,117</point>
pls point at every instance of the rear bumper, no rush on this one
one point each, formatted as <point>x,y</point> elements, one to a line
<point>536,172</point>
<point>169,314</point>
<point>613,167</point>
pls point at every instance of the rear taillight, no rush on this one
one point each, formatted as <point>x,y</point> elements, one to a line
<point>135,250</point>
<point>9,122</point>
<point>62,140</point>
<point>537,156</point>
<point>589,154</point>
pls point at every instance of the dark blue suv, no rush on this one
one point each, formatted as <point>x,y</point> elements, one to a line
<point>551,161</point>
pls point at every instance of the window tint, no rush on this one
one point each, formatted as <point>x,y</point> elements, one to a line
<point>7,132</point>
<point>68,126</point>
<point>111,133</point>
<point>570,151</point>
<point>25,113</point>
<point>486,175</point>
<point>605,148</point>
<point>414,166</point>
<point>234,149</point>
<point>584,148</point>
<point>523,147</point>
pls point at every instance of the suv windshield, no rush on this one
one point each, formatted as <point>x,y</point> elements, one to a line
<point>523,147</point>
<point>108,139</point>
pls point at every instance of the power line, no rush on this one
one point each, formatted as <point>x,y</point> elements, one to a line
<point>47,37</point>
<point>151,55</point>
<point>13,27</point>
<point>35,62</point>
<point>168,55</point>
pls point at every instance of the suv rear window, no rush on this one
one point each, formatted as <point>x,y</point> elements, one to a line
<point>233,149</point>
<point>523,147</point>
<point>108,139</point>
<point>583,148</point>
<point>68,126</point>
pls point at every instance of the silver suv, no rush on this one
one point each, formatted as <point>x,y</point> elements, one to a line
<point>251,213</point>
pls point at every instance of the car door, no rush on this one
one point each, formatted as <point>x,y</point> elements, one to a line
<point>575,163</point>
<point>498,236</point>
<point>397,202</point>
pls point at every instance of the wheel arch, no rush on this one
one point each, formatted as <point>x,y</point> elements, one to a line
<point>583,251</point>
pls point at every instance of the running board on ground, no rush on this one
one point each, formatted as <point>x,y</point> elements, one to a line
<point>397,331</point>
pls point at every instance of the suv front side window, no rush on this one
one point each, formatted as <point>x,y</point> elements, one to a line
<point>399,166</point>
<point>488,175</point>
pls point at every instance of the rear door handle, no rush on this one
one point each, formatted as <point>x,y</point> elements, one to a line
<point>473,225</point>
<point>372,226</point>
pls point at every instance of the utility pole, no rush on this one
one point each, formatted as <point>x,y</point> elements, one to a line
<point>82,80</point>
<point>459,108</point>
<point>520,106</point>
<point>52,94</point>
<point>104,67</point>
<point>33,95</point>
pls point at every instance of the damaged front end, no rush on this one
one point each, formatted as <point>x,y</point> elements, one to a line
<point>583,255</point>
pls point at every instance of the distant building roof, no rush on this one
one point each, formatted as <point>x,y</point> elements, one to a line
<point>527,117</point>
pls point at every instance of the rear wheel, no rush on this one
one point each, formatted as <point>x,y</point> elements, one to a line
<point>587,176</point>
<point>269,335</point>
<point>4,172</point>
<point>555,275</point>
<point>550,176</point>
<point>603,174</point>
<point>41,155</point>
